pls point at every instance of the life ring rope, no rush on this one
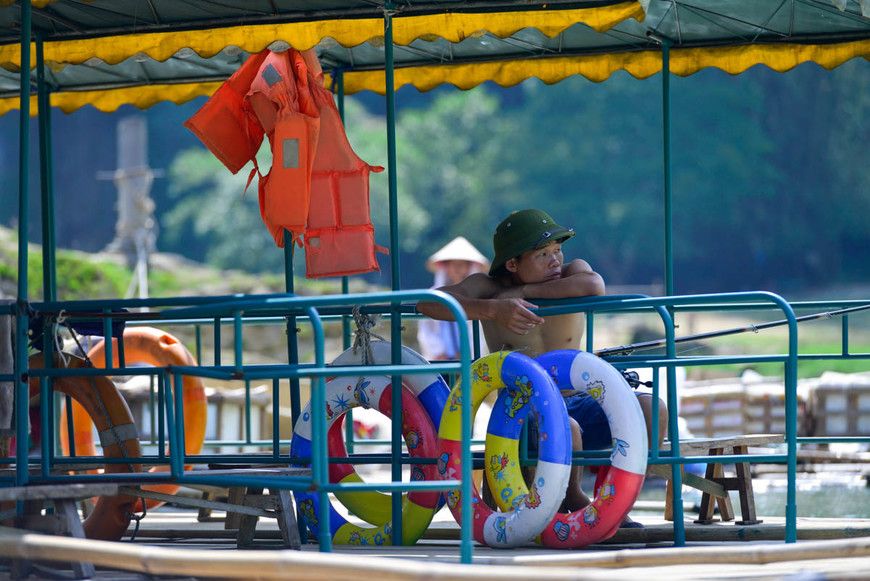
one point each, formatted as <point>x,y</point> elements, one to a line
<point>113,434</point>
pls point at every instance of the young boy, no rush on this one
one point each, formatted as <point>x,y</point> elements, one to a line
<point>529,264</point>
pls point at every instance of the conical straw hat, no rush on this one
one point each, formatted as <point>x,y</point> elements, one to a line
<point>457,249</point>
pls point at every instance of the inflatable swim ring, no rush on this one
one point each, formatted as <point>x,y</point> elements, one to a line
<point>524,382</point>
<point>109,412</point>
<point>624,477</point>
<point>423,399</point>
<point>160,349</point>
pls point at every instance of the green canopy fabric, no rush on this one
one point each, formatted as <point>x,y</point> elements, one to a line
<point>108,53</point>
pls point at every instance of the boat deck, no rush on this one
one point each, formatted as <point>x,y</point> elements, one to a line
<point>172,544</point>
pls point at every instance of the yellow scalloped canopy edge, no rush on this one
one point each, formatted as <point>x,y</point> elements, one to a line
<point>643,64</point>
<point>453,27</point>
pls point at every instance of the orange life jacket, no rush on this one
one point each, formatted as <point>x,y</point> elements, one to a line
<point>224,125</point>
<point>280,99</point>
<point>317,188</point>
<point>340,239</point>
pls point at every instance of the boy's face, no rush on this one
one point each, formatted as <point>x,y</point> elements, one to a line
<point>537,265</point>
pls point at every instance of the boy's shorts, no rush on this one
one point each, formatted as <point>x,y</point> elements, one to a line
<point>594,427</point>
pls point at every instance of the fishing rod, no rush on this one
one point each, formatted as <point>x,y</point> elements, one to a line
<point>628,349</point>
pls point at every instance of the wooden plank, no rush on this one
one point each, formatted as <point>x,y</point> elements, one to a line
<point>236,496</point>
<point>287,521</point>
<point>196,502</point>
<point>247,523</point>
<point>699,446</point>
<point>346,562</point>
<point>747,496</point>
<point>56,491</point>
<point>705,512</point>
<point>689,479</point>
<point>257,472</point>
<point>67,511</point>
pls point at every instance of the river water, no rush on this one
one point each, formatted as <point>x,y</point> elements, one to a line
<point>830,495</point>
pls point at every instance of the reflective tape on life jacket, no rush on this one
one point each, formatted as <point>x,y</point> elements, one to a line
<point>280,98</point>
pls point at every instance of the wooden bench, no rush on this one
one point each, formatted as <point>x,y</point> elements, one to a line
<point>64,520</point>
<point>714,484</point>
<point>244,505</point>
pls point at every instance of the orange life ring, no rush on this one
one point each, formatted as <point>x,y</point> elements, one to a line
<point>160,349</point>
<point>108,411</point>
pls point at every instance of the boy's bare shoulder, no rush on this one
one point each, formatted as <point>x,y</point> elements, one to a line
<point>576,266</point>
<point>478,286</point>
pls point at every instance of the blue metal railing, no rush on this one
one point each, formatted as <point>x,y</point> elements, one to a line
<point>239,311</point>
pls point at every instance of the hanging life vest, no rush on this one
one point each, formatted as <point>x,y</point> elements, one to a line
<point>340,239</point>
<point>280,99</point>
<point>317,188</point>
<point>224,125</point>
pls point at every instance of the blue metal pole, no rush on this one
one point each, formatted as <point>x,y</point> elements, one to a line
<point>292,337</point>
<point>395,275</point>
<point>673,433</point>
<point>345,281</point>
<point>666,44</point>
<point>666,137</point>
<point>49,276</point>
<point>21,379</point>
<point>791,426</point>
<point>338,75</point>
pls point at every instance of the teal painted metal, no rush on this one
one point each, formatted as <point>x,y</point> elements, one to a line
<point>110,345</point>
<point>674,435</point>
<point>395,271</point>
<point>844,335</point>
<point>790,422</point>
<point>216,331</point>
<point>231,308</point>
<point>274,305</point>
<point>292,337</point>
<point>395,281</point>
<point>627,349</point>
<point>21,320</point>
<point>666,150</point>
<point>338,75</point>
<point>670,360</point>
<point>276,417</point>
<point>46,179</point>
<point>248,434</point>
<point>237,340</point>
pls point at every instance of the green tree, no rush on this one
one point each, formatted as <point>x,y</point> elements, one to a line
<point>212,219</point>
<point>451,171</point>
<point>589,154</point>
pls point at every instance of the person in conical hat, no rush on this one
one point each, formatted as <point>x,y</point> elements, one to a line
<point>439,340</point>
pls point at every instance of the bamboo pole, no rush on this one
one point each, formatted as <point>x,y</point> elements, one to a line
<point>759,554</point>
<point>258,565</point>
<point>288,565</point>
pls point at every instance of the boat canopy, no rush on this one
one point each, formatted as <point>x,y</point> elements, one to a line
<point>108,53</point>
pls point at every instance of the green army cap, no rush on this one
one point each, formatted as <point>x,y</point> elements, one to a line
<point>524,230</point>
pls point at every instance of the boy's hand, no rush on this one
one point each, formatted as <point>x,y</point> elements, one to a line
<point>514,314</point>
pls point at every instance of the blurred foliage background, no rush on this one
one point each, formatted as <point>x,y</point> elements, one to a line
<point>771,178</point>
